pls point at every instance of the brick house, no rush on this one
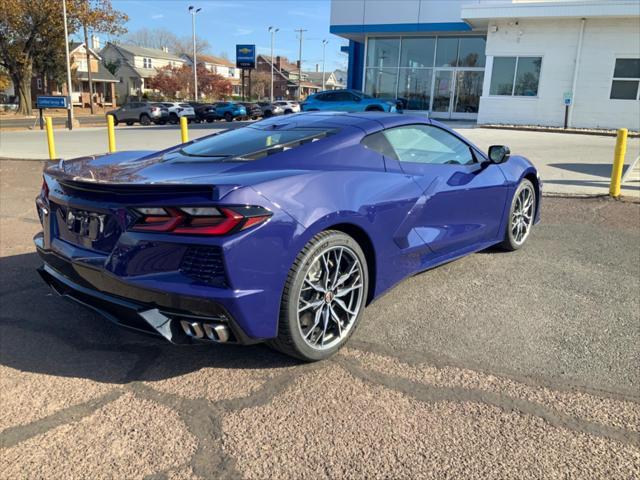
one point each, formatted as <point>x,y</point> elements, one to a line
<point>286,78</point>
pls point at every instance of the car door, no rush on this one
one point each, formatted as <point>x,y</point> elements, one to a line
<point>463,196</point>
<point>124,112</point>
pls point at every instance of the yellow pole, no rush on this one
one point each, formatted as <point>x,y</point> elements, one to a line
<point>618,162</point>
<point>183,130</point>
<point>50,142</point>
<point>111,134</point>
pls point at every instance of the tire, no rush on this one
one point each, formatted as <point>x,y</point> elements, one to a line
<point>309,345</point>
<point>287,111</point>
<point>209,120</point>
<point>144,119</point>
<point>161,122</point>
<point>228,117</point>
<point>268,114</point>
<point>526,193</point>
<point>173,118</point>
<point>129,123</point>
<point>115,121</point>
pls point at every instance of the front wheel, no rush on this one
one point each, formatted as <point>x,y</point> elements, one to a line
<point>324,297</point>
<point>228,117</point>
<point>521,216</point>
<point>145,120</point>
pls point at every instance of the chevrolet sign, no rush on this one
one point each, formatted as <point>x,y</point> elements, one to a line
<point>246,56</point>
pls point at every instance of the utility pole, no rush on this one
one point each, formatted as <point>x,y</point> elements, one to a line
<point>300,32</point>
<point>193,11</point>
<point>324,45</point>
<point>86,47</point>
<point>273,31</point>
<point>66,50</point>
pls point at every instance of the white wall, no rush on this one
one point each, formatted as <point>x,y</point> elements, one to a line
<point>556,41</point>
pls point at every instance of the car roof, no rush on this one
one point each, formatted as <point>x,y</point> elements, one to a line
<point>368,121</point>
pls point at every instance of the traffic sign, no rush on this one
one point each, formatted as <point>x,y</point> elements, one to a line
<point>567,98</point>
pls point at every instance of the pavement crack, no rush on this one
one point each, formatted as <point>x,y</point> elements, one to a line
<point>430,394</point>
<point>15,435</point>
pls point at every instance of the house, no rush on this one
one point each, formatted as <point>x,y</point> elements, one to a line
<point>330,82</point>
<point>286,78</point>
<point>135,65</point>
<point>220,66</point>
<point>103,82</point>
<point>499,61</point>
<point>341,78</point>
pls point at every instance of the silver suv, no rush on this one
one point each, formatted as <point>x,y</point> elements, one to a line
<point>143,112</point>
<point>288,106</point>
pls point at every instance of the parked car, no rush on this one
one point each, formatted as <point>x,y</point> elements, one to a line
<point>224,110</point>
<point>143,112</point>
<point>199,108</point>
<point>277,231</point>
<point>270,109</point>
<point>347,101</point>
<point>177,110</point>
<point>288,106</point>
<point>253,110</point>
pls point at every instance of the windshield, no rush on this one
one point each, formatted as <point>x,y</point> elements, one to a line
<point>250,143</point>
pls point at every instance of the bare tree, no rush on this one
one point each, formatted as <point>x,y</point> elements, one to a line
<point>161,37</point>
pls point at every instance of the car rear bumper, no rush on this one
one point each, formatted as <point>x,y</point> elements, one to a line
<point>180,318</point>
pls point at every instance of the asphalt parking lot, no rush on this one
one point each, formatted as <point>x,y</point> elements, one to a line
<point>499,365</point>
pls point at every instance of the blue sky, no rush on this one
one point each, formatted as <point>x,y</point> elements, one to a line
<point>225,23</point>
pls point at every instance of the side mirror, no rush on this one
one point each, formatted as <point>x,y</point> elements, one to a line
<point>499,153</point>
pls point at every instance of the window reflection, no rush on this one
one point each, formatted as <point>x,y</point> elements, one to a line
<point>414,88</point>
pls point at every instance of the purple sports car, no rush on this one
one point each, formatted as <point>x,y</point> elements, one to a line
<point>281,231</point>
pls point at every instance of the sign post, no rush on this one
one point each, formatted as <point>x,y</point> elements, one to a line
<point>50,101</point>
<point>246,60</point>
<point>567,97</point>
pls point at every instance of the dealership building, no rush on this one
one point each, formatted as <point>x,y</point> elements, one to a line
<point>499,61</point>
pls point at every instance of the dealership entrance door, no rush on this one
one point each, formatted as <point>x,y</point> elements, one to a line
<point>456,93</point>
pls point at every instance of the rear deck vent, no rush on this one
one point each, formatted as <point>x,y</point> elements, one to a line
<point>205,264</point>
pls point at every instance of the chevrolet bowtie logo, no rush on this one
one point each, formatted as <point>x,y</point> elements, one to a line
<point>244,51</point>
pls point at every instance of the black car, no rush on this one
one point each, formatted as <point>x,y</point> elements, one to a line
<point>254,111</point>
<point>201,109</point>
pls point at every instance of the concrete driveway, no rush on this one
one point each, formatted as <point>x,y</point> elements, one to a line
<point>568,163</point>
<point>500,365</point>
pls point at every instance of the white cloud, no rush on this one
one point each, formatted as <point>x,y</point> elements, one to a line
<point>157,16</point>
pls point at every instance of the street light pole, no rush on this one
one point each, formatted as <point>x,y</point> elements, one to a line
<point>193,12</point>
<point>66,50</point>
<point>300,31</point>
<point>273,31</point>
<point>324,45</point>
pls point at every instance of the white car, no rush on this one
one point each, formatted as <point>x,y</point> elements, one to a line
<point>178,110</point>
<point>288,106</point>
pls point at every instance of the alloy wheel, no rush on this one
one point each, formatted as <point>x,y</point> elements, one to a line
<point>522,216</point>
<point>330,297</point>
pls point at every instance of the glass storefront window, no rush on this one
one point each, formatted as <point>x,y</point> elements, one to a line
<point>502,77</point>
<point>383,52</point>
<point>417,52</point>
<point>447,52</point>
<point>468,91</point>
<point>414,88</point>
<point>471,52</point>
<point>527,76</point>
<point>381,82</point>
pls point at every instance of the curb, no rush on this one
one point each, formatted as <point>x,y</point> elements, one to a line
<point>558,130</point>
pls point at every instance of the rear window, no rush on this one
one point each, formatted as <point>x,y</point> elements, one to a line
<point>184,105</point>
<point>250,143</point>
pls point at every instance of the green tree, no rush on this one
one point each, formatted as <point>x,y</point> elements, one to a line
<point>32,33</point>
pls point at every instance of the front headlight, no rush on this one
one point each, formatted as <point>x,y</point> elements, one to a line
<point>392,109</point>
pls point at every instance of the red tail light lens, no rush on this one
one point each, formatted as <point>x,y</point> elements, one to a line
<point>199,220</point>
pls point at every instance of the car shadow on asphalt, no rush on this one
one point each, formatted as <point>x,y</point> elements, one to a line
<point>42,333</point>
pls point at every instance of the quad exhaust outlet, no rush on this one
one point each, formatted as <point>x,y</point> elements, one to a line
<point>215,332</point>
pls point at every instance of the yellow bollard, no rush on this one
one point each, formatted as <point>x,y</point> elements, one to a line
<point>50,142</point>
<point>183,129</point>
<point>111,134</point>
<point>618,162</point>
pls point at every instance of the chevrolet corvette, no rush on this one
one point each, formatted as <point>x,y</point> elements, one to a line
<point>281,231</point>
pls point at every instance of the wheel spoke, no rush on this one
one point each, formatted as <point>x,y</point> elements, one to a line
<point>325,319</point>
<point>337,272</point>
<point>312,285</point>
<point>343,306</point>
<point>316,322</point>
<point>336,319</point>
<point>308,305</point>
<point>343,278</point>
<point>344,291</point>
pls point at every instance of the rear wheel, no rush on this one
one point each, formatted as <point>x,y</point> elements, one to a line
<point>129,122</point>
<point>173,118</point>
<point>209,120</point>
<point>144,119</point>
<point>324,297</point>
<point>521,216</point>
<point>228,117</point>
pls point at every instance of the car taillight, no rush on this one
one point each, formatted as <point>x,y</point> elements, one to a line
<point>153,109</point>
<point>199,220</point>
<point>44,191</point>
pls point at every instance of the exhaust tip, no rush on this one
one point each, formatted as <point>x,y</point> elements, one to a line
<point>215,332</point>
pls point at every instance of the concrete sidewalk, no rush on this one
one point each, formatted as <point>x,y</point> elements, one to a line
<point>568,163</point>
